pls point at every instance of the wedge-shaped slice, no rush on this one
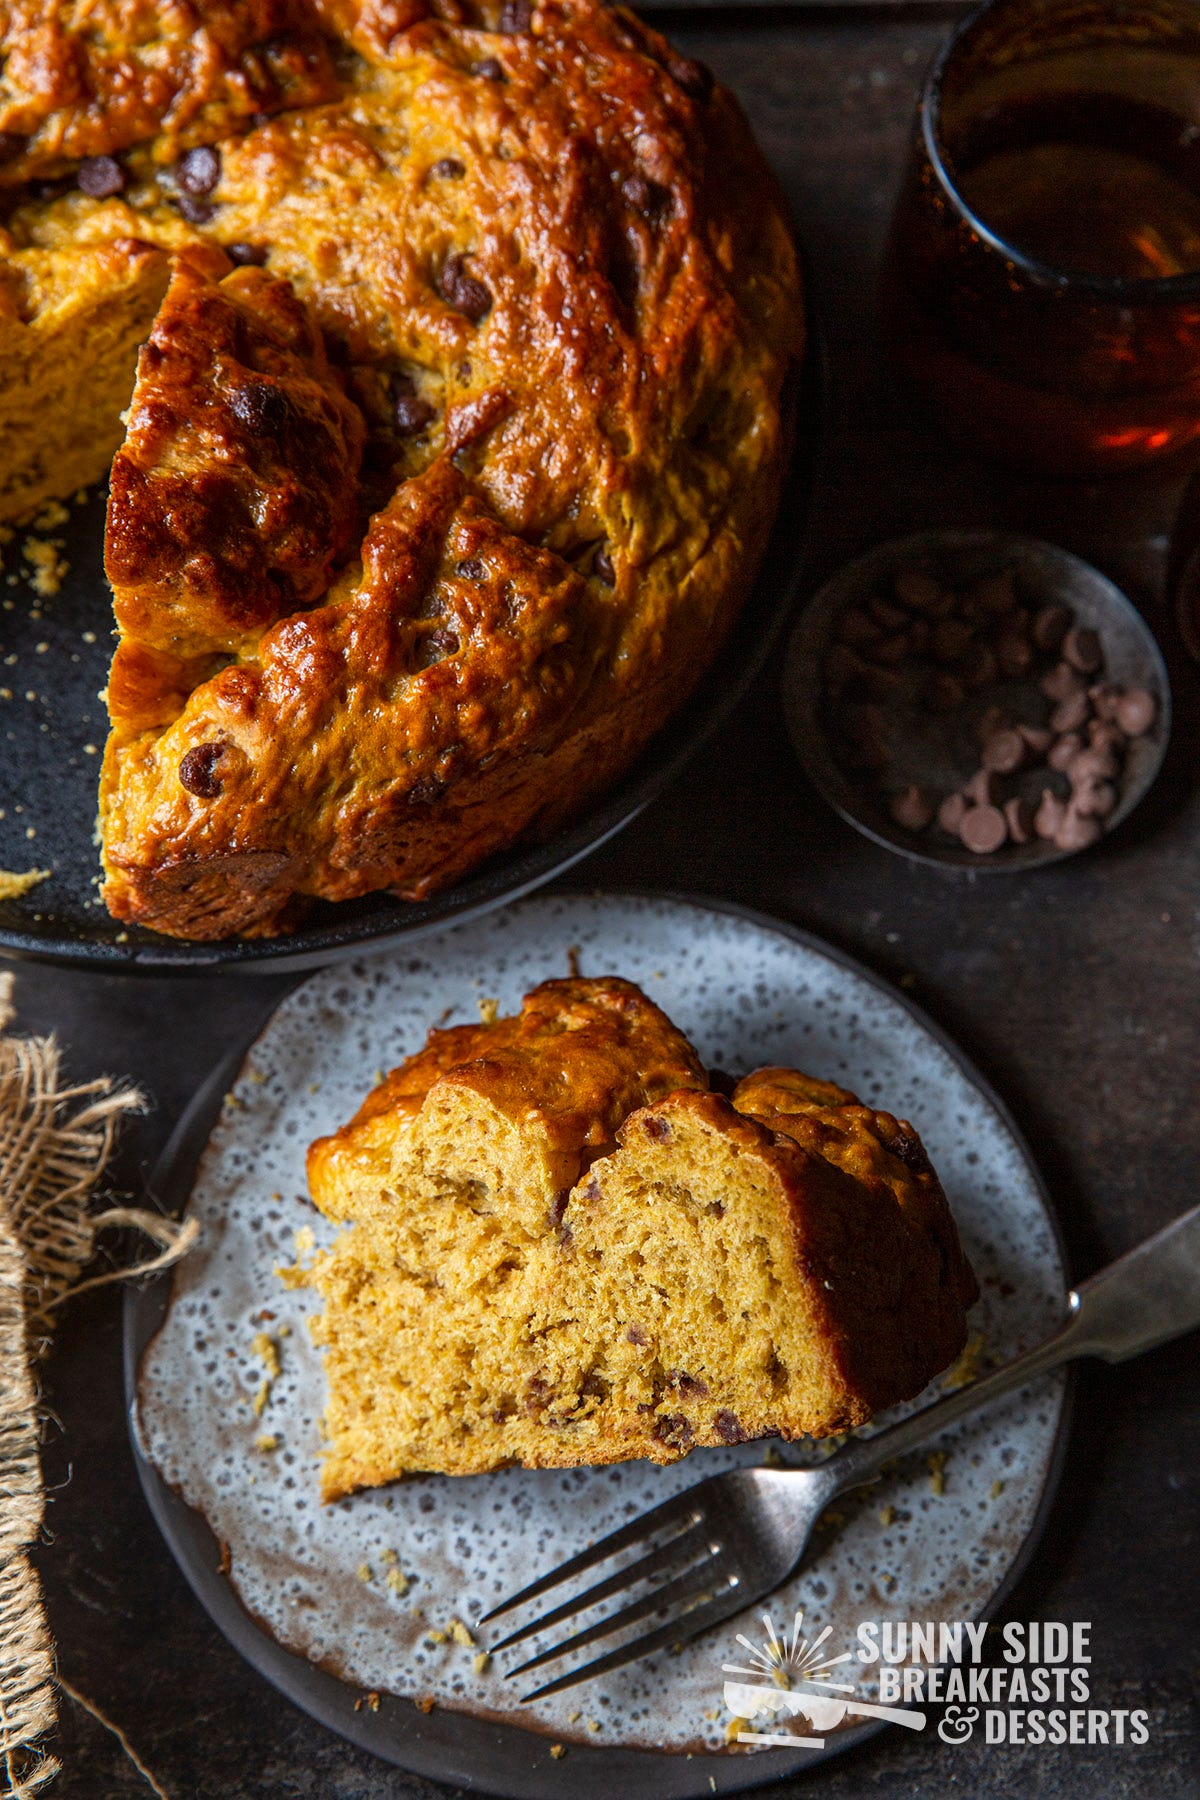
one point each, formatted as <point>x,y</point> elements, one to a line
<point>705,1279</point>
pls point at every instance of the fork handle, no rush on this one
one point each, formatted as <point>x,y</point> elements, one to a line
<point>1145,1298</point>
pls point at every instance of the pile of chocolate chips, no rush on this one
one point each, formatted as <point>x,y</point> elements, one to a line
<point>939,646</point>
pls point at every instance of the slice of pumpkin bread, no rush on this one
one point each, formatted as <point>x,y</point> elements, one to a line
<point>563,1248</point>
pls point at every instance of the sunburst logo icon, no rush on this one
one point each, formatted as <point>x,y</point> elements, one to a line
<point>791,1675</point>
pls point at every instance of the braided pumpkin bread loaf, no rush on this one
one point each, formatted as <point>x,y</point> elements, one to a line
<point>562,1247</point>
<point>455,441</point>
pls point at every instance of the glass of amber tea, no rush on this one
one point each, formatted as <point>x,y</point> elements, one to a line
<point>1041,285</point>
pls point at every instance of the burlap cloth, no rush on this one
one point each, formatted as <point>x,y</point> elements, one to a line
<point>55,1144</point>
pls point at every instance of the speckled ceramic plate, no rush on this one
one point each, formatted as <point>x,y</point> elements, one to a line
<point>307,1595</point>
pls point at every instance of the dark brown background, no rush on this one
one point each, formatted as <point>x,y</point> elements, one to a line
<point>1076,989</point>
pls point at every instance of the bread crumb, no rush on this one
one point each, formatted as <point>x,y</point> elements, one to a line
<point>593,1725</point>
<point>397,1581</point>
<point>304,1240</point>
<point>12,886</point>
<point>731,1730</point>
<point>363,1572</point>
<point>481,1662</point>
<point>434,1636</point>
<point>558,1751</point>
<point>267,1350</point>
<point>370,1700</point>
<point>47,569</point>
<point>427,1704</point>
<point>388,1558</point>
<point>284,1331</point>
<point>52,515</point>
<point>995,1491</point>
<point>936,1461</point>
<point>489,1011</point>
<point>887,1515</point>
<point>261,1398</point>
<point>967,1367</point>
<point>458,1632</point>
<point>267,1442</point>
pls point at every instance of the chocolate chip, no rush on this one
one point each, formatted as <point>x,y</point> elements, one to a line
<point>1070,713</point>
<point>648,197</point>
<point>462,291</point>
<point>1093,799</point>
<point>1050,626</point>
<point>1037,739</point>
<point>656,1128</point>
<point>1083,650</point>
<point>1077,830</point>
<point>470,568</point>
<point>690,1386</point>
<point>261,406</point>
<point>12,144</point>
<point>489,69</point>
<point>602,566</point>
<point>448,168</point>
<point>1136,711</point>
<point>1004,752</point>
<point>695,78</point>
<point>196,212</point>
<point>1064,750</point>
<point>674,1430</point>
<point>247,256</point>
<point>1047,821</point>
<point>636,1335</point>
<point>100,176</point>
<point>198,171</point>
<point>198,770</point>
<point>537,1392</point>
<point>950,813</point>
<point>728,1427</point>
<point>1018,816</point>
<point>983,829</point>
<point>911,809</point>
<point>426,791</point>
<point>1097,763</point>
<point>1014,654</point>
<point>981,789</point>
<point>410,413</point>
<point>438,647</point>
<point>515,17</point>
<point>1061,682</point>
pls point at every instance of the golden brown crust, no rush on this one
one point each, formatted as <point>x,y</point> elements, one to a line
<point>84,80</point>
<point>883,1153</point>
<point>878,1251</point>
<point>548,258</point>
<point>235,493</point>
<point>578,1058</point>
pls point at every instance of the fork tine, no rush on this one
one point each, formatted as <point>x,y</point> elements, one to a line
<point>691,1584</point>
<point>684,1510</point>
<point>660,1561</point>
<point>676,1631</point>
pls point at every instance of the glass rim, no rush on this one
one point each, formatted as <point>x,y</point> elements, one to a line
<point>1122,288</point>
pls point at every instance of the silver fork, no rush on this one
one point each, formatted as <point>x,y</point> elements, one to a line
<point>721,1545</point>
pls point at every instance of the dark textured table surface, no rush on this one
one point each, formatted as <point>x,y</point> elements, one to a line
<point>1076,989</point>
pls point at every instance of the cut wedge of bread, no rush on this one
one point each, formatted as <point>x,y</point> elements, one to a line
<point>563,1248</point>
